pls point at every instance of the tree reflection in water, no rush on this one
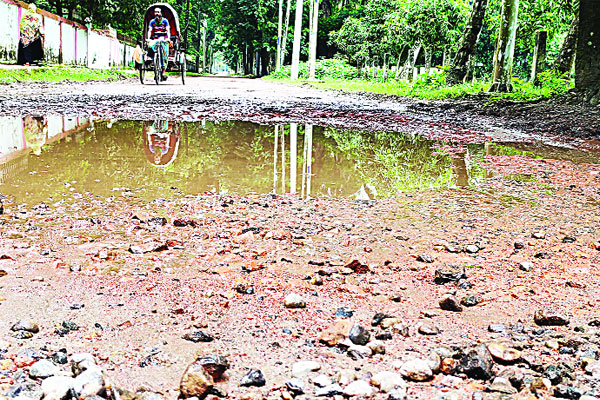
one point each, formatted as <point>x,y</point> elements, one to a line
<point>230,157</point>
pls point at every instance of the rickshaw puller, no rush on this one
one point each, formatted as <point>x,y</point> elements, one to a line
<point>158,35</point>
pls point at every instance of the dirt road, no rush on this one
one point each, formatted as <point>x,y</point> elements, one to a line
<point>223,98</point>
<point>410,287</point>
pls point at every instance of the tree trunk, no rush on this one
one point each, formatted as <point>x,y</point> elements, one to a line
<point>505,47</point>
<point>539,56</point>
<point>285,32</point>
<point>297,37</point>
<point>470,71</point>
<point>587,61</point>
<point>312,52</point>
<point>264,62</point>
<point>564,62</point>
<point>279,22</point>
<point>467,45</point>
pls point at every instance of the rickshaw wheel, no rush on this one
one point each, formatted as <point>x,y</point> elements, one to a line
<point>183,69</point>
<point>142,73</point>
<point>157,69</point>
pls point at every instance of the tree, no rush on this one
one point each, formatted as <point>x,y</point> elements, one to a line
<point>564,62</point>
<point>312,48</point>
<point>587,61</point>
<point>505,47</point>
<point>297,37</point>
<point>460,65</point>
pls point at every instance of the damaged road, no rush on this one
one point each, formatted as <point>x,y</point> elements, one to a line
<point>266,102</point>
<point>487,291</point>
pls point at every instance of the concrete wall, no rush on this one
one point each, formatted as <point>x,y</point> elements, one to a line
<point>52,40</point>
<point>66,42</point>
<point>9,31</point>
<point>11,135</point>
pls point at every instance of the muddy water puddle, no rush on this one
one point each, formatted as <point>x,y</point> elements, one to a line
<point>56,157</point>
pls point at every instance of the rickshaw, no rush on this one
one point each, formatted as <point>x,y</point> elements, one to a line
<point>176,54</point>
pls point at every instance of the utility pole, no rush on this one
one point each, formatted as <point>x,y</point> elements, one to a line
<point>297,35</point>
<point>278,55</point>
<point>312,47</point>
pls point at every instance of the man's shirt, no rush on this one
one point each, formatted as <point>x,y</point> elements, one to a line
<point>159,30</point>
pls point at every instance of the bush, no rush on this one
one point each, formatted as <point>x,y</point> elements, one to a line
<point>324,69</point>
<point>550,84</point>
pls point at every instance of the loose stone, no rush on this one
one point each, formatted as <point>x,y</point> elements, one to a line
<point>545,317</point>
<point>336,333</point>
<point>57,387</point>
<point>329,391</point>
<point>359,335</point>
<point>449,273</point>
<point>450,303</point>
<point>426,258</point>
<point>322,380</point>
<point>301,368</point>
<point>470,300</point>
<point>296,386</point>
<point>89,383</point>
<point>43,369</point>
<point>196,381</point>
<point>253,378</point>
<point>376,346</point>
<point>477,363</point>
<point>357,352</point>
<point>472,249</point>
<point>387,381</point>
<point>198,337</point>
<point>25,325</point>
<point>497,328</point>
<point>526,266</point>
<point>294,300</point>
<point>214,364</point>
<point>416,370</point>
<point>428,328</point>
<point>503,353</point>
<point>81,362</point>
<point>359,388</point>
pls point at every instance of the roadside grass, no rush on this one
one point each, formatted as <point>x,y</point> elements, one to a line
<point>58,74</point>
<point>524,91</point>
<point>432,86</point>
<point>403,88</point>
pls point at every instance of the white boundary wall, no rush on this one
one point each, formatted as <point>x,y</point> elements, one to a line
<point>66,42</point>
<point>9,31</point>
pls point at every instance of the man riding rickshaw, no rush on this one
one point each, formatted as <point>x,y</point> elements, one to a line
<point>163,47</point>
<point>158,35</point>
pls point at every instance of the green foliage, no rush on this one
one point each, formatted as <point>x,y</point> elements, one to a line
<point>324,69</point>
<point>550,84</point>
<point>390,27</point>
<point>431,79</point>
<point>61,74</point>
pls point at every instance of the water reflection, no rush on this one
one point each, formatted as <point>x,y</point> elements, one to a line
<point>161,141</point>
<point>59,157</point>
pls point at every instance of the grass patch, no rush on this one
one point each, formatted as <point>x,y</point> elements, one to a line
<point>403,88</point>
<point>336,75</point>
<point>59,74</point>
